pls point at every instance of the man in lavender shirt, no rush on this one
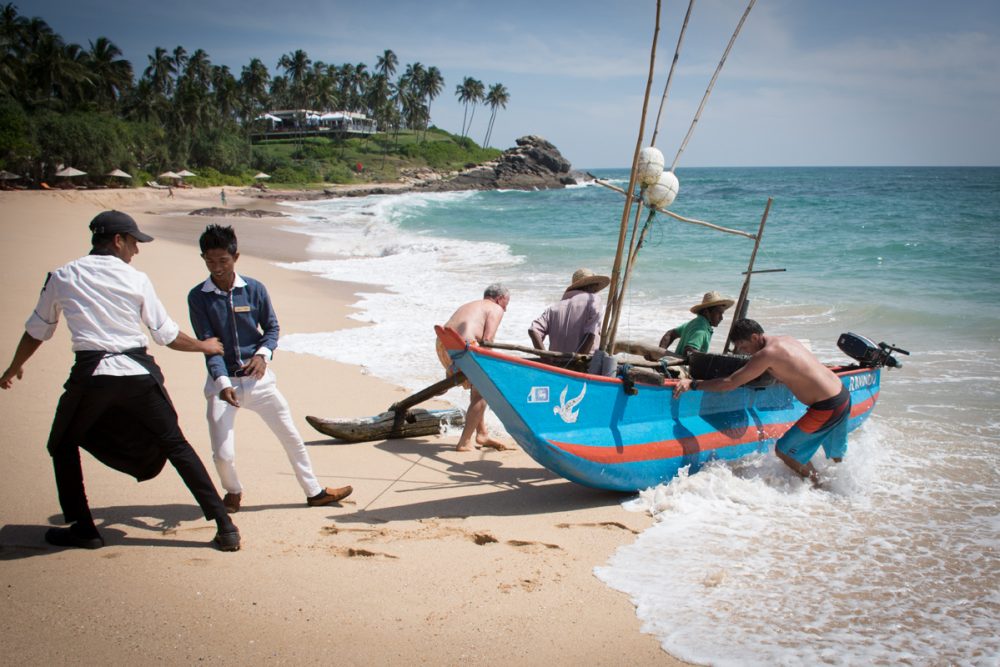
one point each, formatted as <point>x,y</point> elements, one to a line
<point>572,324</point>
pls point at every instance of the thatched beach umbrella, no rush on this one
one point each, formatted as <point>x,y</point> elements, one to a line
<point>8,176</point>
<point>119,173</point>
<point>70,172</point>
<point>260,175</point>
<point>169,174</point>
<point>186,173</point>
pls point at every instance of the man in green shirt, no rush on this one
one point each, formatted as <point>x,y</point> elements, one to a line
<point>697,334</point>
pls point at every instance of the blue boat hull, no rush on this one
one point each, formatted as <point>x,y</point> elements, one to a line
<point>587,429</point>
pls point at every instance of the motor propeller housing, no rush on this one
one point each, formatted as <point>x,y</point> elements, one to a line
<point>867,353</point>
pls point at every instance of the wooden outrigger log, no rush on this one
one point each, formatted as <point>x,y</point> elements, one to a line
<point>399,421</point>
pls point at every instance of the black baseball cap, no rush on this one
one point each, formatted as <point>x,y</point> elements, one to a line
<point>116,222</point>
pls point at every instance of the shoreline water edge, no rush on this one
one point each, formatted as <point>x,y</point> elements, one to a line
<point>863,251</point>
<point>761,569</point>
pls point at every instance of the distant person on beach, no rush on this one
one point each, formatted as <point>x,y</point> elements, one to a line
<point>114,404</point>
<point>476,321</point>
<point>572,324</point>
<point>696,335</point>
<point>815,385</point>
<point>222,196</point>
<point>237,310</point>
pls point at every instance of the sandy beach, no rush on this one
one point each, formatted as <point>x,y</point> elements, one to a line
<point>438,557</point>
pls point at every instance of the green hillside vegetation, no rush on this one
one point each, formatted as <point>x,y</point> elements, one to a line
<point>383,158</point>
<point>64,104</point>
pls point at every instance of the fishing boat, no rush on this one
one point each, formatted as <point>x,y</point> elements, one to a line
<point>611,427</point>
<point>626,435</point>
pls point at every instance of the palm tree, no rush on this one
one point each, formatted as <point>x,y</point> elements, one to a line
<point>199,70</point>
<point>411,104</point>
<point>409,95</point>
<point>469,92</point>
<point>496,98</point>
<point>324,91</point>
<point>144,102</point>
<point>57,71</point>
<point>160,71</point>
<point>254,80</point>
<point>377,100</point>
<point>112,74</point>
<point>296,66</point>
<point>12,52</point>
<point>280,96</point>
<point>360,83</point>
<point>386,64</point>
<point>226,91</point>
<point>180,58</point>
<point>432,85</point>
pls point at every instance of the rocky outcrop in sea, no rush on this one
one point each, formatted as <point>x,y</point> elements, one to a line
<point>533,164</point>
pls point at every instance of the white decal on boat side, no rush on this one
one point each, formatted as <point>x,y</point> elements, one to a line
<point>538,395</point>
<point>565,409</point>
<point>859,381</point>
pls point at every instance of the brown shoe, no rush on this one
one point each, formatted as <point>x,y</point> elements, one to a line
<point>232,502</point>
<point>328,495</point>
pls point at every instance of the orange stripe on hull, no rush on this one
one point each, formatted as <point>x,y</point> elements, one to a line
<point>669,449</point>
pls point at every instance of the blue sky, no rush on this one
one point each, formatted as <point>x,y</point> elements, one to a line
<point>809,82</point>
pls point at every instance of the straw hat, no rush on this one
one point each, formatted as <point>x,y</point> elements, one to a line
<point>585,278</point>
<point>712,299</point>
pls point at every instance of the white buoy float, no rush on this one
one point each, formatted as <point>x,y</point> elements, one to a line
<point>662,193</point>
<point>650,166</point>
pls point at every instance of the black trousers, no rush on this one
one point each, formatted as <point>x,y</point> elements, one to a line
<point>139,399</point>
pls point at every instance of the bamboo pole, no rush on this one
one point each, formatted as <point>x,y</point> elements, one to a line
<point>629,266</point>
<point>749,274</point>
<point>632,176</point>
<point>673,215</point>
<point>574,356</point>
<point>615,298</point>
<point>670,75</point>
<point>711,84</point>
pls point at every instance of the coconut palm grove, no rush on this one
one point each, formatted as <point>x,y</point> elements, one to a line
<point>64,104</point>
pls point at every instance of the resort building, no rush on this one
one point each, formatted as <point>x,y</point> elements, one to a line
<point>288,123</point>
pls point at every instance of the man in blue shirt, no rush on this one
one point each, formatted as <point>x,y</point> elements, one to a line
<point>237,310</point>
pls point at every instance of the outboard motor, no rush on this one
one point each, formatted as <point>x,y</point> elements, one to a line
<point>868,353</point>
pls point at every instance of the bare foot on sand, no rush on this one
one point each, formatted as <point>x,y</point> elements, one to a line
<point>490,443</point>
<point>463,448</point>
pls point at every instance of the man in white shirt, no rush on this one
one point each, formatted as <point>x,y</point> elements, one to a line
<point>114,404</point>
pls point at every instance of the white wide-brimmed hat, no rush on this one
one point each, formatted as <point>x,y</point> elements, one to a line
<point>710,300</point>
<point>585,278</point>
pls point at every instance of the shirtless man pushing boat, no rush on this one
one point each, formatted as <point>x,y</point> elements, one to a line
<point>476,321</point>
<point>829,401</point>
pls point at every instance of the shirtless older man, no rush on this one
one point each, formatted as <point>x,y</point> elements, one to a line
<point>824,423</point>
<point>477,320</point>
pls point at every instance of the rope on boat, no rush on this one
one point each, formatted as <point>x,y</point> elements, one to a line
<point>670,75</point>
<point>681,217</point>
<point>711,84</point>
<point>616,270</point>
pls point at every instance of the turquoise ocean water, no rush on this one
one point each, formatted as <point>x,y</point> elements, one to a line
<point>897,562</point>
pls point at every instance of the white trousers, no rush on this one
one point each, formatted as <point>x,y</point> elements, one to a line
<point>260,396</point>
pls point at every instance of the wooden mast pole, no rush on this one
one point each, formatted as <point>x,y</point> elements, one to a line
<point>670,75</point>
<point>630,194</point>
<point>746,282</point>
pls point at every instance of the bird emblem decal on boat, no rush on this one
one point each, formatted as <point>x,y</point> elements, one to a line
<point>565,408</point>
